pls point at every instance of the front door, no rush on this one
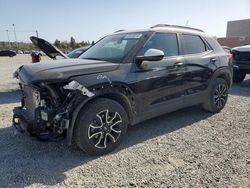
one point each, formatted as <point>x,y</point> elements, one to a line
<point>159,83</point>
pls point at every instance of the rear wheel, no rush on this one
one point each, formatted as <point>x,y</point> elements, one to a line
<point>101,126</point>
<point>218,96</point>
<point>239,76</point>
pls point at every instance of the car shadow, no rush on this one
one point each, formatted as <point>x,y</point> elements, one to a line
<point>7,97</point>
<point>164,124</point>
<point>25,161</point>
<point>241,89</point>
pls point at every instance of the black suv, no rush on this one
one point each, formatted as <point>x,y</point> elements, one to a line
<point>241,61</point>
<point>125,78</point>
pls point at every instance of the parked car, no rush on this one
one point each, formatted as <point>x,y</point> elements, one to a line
<point>77,52</point>
<point>125,78</point>
<point>19,52</point>
<point>241,61</point>
<point>8,53</point>
<point>27,52</point>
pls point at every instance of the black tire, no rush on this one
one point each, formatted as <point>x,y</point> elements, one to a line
<point>218,95</point>
<point>239,76</point>
<point>100,126</point>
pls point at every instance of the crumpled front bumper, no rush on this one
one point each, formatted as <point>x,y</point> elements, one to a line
<point>21,120</point>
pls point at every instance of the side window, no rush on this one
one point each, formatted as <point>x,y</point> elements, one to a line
<point>193,44</point>
<point>167,42</point>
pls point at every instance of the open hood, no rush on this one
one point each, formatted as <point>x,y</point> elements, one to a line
<point>49,49</point>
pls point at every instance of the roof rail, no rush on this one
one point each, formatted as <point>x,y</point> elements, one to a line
<point>119,31</point>
<point>177,26</point>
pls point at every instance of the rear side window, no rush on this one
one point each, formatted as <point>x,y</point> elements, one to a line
<point>167,42</point>
<point>214,44</point>
<point>193,44</point>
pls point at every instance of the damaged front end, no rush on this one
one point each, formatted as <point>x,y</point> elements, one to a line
<point>46,108</point>
<point>51,93</point>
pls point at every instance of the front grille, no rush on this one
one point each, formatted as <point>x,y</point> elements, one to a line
<point>242,56</point>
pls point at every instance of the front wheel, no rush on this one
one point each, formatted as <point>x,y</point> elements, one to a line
<point>101,126</point>
<point>217,97</point>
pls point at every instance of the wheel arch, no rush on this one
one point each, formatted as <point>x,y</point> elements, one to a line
<point>120,97</point>
<point>223,73</point>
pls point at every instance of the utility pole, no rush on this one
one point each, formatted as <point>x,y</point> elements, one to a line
<point>36,33</point>
<point>8,37</point>
<point>15,34</point>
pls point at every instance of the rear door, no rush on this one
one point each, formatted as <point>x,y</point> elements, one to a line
<point>199,60</point>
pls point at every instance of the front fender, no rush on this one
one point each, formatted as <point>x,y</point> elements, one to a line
<point>116,91</point>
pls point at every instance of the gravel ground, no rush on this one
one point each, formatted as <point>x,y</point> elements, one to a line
<point>187,148</point>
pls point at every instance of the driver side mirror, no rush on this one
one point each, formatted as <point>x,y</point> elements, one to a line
<point>151,55</point>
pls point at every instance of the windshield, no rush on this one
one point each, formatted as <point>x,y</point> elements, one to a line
<point>112,48</point>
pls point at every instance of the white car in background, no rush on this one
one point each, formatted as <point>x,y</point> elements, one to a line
<point>241,61</point>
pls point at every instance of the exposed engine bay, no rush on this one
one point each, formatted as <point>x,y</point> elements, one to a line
<point>45,110</point>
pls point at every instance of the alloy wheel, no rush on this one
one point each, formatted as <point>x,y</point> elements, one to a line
<point>220,95</point>
<point>105,128</point>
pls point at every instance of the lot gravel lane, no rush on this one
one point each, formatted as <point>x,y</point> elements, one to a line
<point>187,148</point>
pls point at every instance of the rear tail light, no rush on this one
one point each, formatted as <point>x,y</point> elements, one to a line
<point>230,59</point>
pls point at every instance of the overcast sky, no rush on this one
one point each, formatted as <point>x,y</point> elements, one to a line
<point>92,19</point>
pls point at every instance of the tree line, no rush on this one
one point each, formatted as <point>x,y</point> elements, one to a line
<point>63,45</point>
<point>72,44</point>
<point>17,46</point>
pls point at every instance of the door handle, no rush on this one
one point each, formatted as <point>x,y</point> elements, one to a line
<point>213,60</point>
<point>178,64</point>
